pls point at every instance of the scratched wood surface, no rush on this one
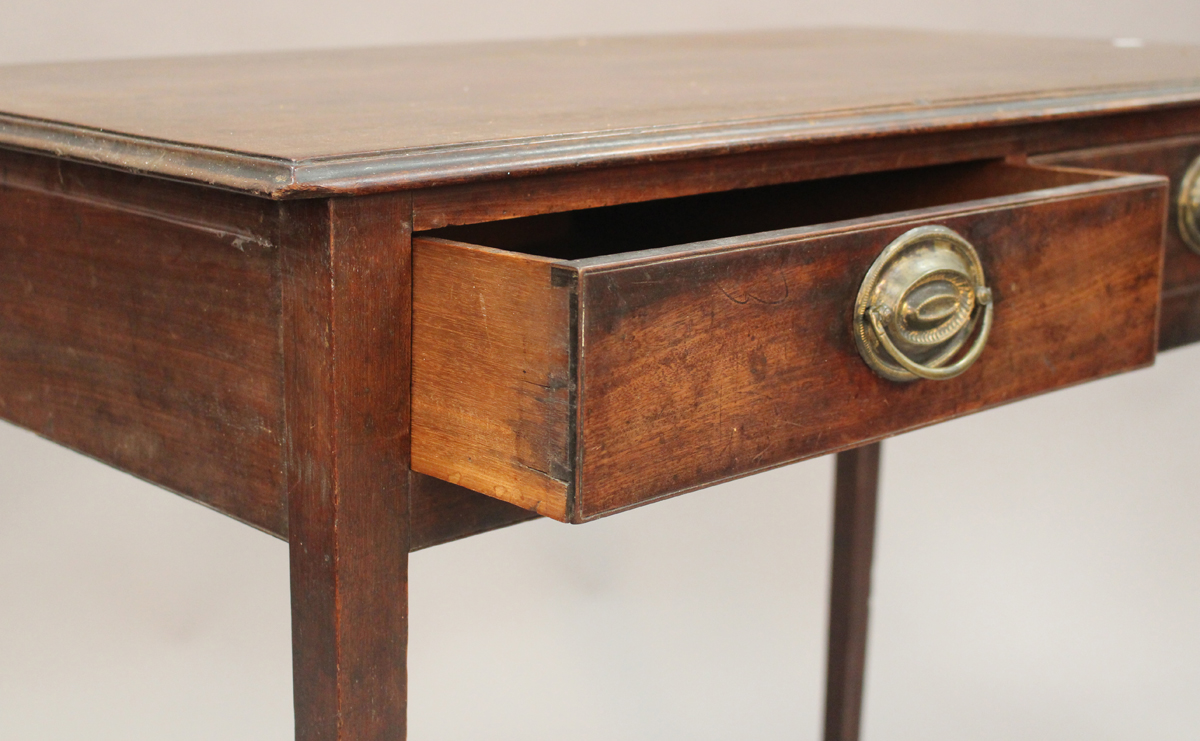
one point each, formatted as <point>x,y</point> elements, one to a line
<point>747,355</point>
<point>710,360</point>
<point>353,120</point>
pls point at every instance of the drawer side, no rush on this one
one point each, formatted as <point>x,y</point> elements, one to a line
<point>493,387</point>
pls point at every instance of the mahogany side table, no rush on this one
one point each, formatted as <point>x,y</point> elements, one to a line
<point>372,301</point>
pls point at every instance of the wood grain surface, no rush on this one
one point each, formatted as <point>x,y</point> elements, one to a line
<point>492,382</point>
<point>346,342</point>
<point>1171,157</point>
<point>706,360</point>
<point>355,120</point>
<point>312,369</point>
<point>699,370</point>
<point>139,323</point>
<point>1167,157</point>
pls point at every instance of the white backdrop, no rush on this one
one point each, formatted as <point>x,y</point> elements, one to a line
<point>1054,597</point>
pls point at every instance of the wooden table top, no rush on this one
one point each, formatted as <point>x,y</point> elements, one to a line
<point>297,124</point>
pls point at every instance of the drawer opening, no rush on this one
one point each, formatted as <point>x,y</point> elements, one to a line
<point>596,232</point>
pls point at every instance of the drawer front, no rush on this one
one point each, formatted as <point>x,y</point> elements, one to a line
<point>638,376</point>
<point>703,369</point>
<point>1172,158</point>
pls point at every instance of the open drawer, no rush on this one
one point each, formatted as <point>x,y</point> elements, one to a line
<point>582,363</point>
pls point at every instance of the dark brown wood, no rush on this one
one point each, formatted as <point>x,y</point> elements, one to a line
<point>1180,324</point>
<point>364,120</point>
<point>441,512</point>
<point>255,356</point>
<point>743,358</point>
<point>1167,157</point>
<point>139,324</point>
<point>706,361</point>
<point>346,344</point>
<point>508,198</point>
<point>1180,318</point>
<point>855,497</point>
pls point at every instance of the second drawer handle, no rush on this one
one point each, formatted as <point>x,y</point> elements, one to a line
<point>1189,207</point>
<point>919,305</point>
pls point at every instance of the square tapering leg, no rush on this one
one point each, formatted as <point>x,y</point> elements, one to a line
<point>346,304</point>
<point>850,593</point>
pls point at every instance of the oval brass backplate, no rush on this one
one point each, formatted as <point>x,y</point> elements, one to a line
<point>925,293</point>
<point>1189,207</point>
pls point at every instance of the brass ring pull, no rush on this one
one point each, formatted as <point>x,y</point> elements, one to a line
<point>930,372</point>
<point>919,305</point>
<point>1189,207</point>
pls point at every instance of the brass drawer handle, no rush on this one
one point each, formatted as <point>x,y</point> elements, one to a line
<point>919,305</point>
<point>1189,207</point>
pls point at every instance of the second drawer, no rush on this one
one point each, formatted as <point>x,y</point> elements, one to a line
<point>582,363</point>
<point>1178,160</point>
